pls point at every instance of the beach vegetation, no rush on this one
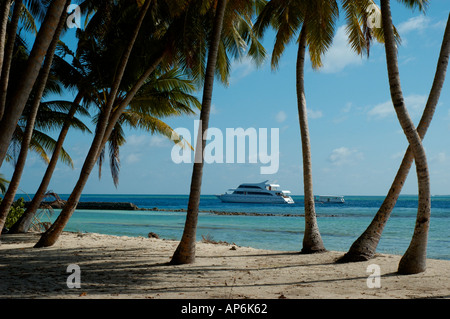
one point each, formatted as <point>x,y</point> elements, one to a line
<point>16,210</point>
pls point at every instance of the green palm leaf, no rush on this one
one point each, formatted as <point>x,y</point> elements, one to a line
<point>3,183</point>
<point>43,143</point>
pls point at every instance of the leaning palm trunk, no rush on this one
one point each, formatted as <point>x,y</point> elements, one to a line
<point>414,259</point>
<point>4,16</point>
<point>312,241</point>
<point>55,230</point>
<point>24,222</point>
<point>39,90</point>
<point>15,107</point>
<point>185,252</point>
<point>365,246</point>
<point>8,54</point>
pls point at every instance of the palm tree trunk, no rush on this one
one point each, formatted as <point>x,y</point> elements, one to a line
<point>414,259</point>
<point>24,222</point>
<point>312,241</point>
<point>55,230</point>
<point>20,96</point>
<point>4,17</point>
<point>8,54</point>
<point>185,252</point>
<point>39,90</point>
<point>365,246</point>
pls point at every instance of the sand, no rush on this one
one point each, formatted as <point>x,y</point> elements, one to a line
<point>130,267</point>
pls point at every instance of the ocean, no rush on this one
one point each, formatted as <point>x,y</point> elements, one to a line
<point>276,227</point>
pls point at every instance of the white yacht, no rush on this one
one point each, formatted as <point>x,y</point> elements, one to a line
<point>329,199</point>
<point>257,193</point>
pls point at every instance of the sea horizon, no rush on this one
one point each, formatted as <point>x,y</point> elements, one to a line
<point>30,195</point>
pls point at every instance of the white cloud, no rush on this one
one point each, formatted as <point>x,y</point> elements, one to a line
<point>398,155</point>
<point>241,68</point>
<point>382,110</point>
<point>133,158</point>
<point>312,114</point>
<point>340,54</point>
<point>347,108</point>
<point>418,23</point>
<point>158,141</point>
<point>414,103</point>
<point>343,155</point>
<point>281,117</point>
<point>439,158</point>
<point>214,109</point>
<point>143,141</point>
<point>136,140</point>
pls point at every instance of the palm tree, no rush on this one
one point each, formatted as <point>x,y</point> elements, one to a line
<point>4,16</point>
<point>36,101</point>
<point>365,246</point>
<point>9,48</point>
<point>106,123</point>
<point>3,183</point>
<point>222,27</point>
<point>22,225</point>
<point>14,109</point>
<point>316,22</point>
<point>185,252</point>
<point>414,259</point>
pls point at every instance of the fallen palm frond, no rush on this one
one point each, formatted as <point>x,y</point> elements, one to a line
<point>45,211</point>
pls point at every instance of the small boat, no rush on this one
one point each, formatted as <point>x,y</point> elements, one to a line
<point>257,193</point>
<point>329,199</point>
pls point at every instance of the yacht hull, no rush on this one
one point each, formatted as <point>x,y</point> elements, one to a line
<point>230,198</point>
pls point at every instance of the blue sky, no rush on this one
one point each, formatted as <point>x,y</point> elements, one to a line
<point>357,143</point>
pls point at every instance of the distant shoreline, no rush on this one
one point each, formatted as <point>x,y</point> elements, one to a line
<point>128,206</point>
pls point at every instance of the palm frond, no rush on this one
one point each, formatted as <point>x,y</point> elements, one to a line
<point>37,8</point>
<point>43,143</point>
<point>15,145</point>
<point>116,139</point>
<point>64,106</point>
<point>48,120</point>
<point>27,20</point>
<point>153,125</point>
<point>100,160</point>
<point>321,21</point>
<point>422,5</point>
<point>3,183</point>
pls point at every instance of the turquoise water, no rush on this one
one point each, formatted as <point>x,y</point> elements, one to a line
<point>339,224</point>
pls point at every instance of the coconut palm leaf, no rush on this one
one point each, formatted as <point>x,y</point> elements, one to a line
<point>3,183</point>
<point>44,144</point>
<point>27,20</point>
<point>37,8</point>
<point>421,4</point>
<point>64,107</point>
<point>166,94</point>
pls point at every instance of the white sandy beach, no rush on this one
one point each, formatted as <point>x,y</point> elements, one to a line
<point>130,267</point>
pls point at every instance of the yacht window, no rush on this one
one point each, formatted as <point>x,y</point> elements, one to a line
<point>259,193</point>
<point>249,186</point>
